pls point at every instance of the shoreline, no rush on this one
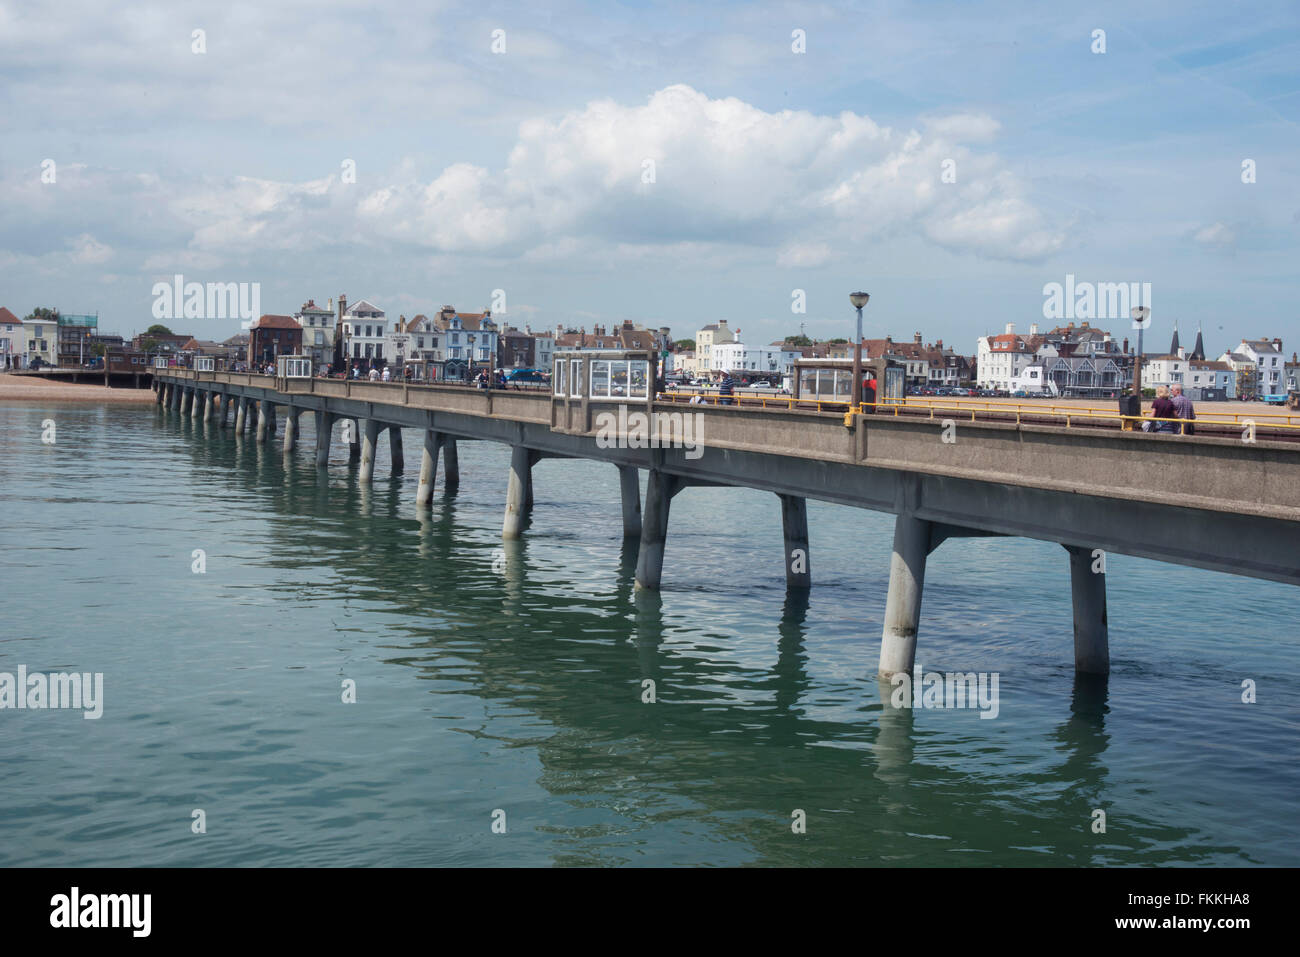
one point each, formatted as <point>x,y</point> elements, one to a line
<point>32,389</point>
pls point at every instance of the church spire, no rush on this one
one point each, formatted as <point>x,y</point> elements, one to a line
<point>1173,346</point>
<point>1198,351</point>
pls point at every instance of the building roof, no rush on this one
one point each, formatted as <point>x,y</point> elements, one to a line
<point>1262,345</point>
<point>7,317</point>
<point>1202,364</point>
<point>363,305</point>
<point>310,306</point>
<point>276,322</point>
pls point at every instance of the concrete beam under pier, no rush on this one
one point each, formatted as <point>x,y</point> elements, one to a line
<point>629,485</point>
<point>433,444</point>
<point>518,491</point>
<point>1088,596</point>
<point>794,526</point>
<point>396,458</point>
<point>369,442</point>
<point>324,433</point>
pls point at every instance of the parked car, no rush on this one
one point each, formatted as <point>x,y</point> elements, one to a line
<point>525,375</point>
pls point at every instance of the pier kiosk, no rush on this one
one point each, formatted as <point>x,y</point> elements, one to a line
<point>830,381</point>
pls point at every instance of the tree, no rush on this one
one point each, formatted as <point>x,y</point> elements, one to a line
<point>685,345</point>
<point>42,312</point>
<point>797,341</point>
<point>97,349</point>
<point>838,341</point>
<point>158,330</point>
<point>149,345</point>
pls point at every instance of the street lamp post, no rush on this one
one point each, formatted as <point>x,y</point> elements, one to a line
<point>1141,316</point>
<point>859,299</point>
<point>470,339</point>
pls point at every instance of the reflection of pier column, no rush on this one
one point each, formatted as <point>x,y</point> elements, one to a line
<point>518,491</point>
<point>369,438</point>
<point>324,432</point>
<point>629,483</point>
<point>659,492</point>
<point>396,459</point>
<point>433,442</point>
<point>903,606</point>
<point>794,524</point>
<point>450,466</point>
<point>1088,593</point>
<point>160,392</point>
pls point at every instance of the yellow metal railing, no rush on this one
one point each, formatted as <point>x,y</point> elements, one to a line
<point>1073,414</point>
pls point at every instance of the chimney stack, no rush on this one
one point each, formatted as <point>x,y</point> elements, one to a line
<point>916,337</point>
<point>1277,344</point>
<point>1033,328</point>
<point>1010,328</point>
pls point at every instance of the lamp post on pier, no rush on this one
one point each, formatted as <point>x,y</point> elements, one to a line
<point>858,299</point>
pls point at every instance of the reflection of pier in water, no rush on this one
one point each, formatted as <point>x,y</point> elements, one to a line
<point>881,781</point>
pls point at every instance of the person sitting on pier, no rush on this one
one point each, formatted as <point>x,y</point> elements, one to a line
<point>1183,409</point>
<point>1161,408</point>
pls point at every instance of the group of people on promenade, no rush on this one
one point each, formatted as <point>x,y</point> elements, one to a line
<point>1170,403</point>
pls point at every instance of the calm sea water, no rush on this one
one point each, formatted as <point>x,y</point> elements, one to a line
<point>493,678</point>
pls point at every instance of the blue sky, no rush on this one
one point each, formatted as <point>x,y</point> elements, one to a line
<point>773,170</point>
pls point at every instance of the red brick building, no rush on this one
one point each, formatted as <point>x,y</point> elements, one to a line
<point>273,336</point>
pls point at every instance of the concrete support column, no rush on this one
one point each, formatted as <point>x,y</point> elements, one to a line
<point>290,428</point>
<point>517,491</point>
<point>208,399</point>
<point>794,525</point>
<point>659,492</point>
<point>263,407</point>
<point>324,432</point>
<point>903,606</point>
<point>196,406</point>
<point>1088,594</point>
<point>396,459</point>
<point>175,397</point>
<point>450,465</point>
<point>354,440</point>
<point>186,398</point>
<point>271,421</point>
<point>369,439</point>
<point>241,412</point>
<point>629,486</point>
<point>161,391</point>
<point>433,442</point>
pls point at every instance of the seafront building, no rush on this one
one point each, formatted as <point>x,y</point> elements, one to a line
<point>13,340</point>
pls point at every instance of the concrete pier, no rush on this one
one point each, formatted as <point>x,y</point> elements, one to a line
<point>903,605</point>
<point>433,443</point>
<point>324,433</point>
<point>185,401</point>
<point>208,399</point>
<point>1088,594</point>
<point>794,525</point>
<point>263,420</point>
<point>241,410</point>
<point>659,491</point>
<point>450,466</point>
<point>629,485</point>
<point>518,492</point>
<point>369,441</point>
<point>396,458</point>
<point>196,403</point>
